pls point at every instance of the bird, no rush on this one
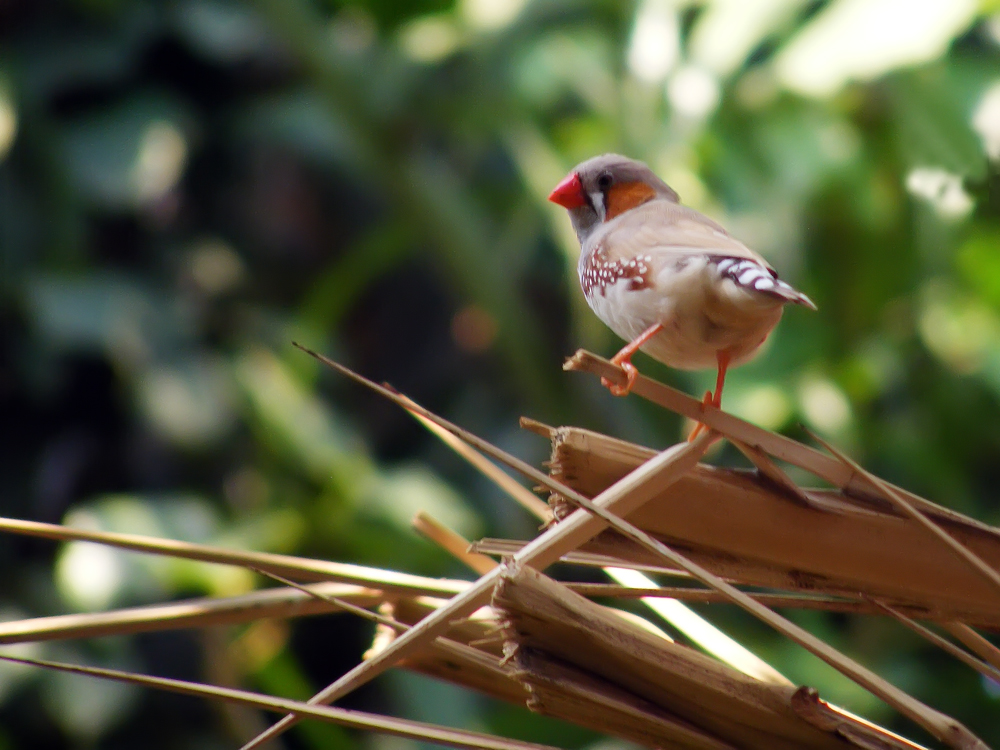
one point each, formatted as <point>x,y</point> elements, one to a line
<point>666,278</point>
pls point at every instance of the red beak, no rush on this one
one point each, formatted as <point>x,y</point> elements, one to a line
<point>569,192</point>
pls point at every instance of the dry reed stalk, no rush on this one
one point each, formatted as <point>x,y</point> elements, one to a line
<point>554,627</point>
<point>975,642</point>
<point>267,604</point>
<point>507,547</point>
<point>561,691</point>
<point>941,726</point>
<point>684,619</point>
<point>300,567</point>
<point>906,508</point>
<point>194,613</point>
<point>452,543</point>
<point>628,494</point>
<point>783,448</point>
<point>742,528</point>
<point>336,602</point>
<point>944,644</point>
<point>409,729</point>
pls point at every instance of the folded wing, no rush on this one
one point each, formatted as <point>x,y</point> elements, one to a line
<point>665,234</point>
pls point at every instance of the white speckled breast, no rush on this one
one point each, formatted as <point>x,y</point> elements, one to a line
<point>598,272</point>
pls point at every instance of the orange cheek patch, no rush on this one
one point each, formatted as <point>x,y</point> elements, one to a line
<point>626,195</point>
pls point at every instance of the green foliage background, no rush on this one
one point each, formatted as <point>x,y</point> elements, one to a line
<point>186,186</point>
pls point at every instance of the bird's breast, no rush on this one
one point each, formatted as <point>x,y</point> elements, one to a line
<point>599,272</point>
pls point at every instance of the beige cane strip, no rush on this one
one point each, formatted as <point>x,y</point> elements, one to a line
<point>905,507</point>
<point>975,642</point>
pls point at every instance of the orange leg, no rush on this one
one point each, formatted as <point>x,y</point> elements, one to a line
<point>722,357</point>
<point>624,360</point>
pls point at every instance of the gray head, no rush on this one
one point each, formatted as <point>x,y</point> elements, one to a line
<point>604,187</point>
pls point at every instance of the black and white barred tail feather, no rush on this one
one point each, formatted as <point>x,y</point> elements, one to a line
<point>750,274</point>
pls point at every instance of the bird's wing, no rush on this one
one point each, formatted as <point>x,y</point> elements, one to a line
<point>670,231</point>
<point>665,234</point>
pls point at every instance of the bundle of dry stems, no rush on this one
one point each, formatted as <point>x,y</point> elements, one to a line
<point>520,636</point>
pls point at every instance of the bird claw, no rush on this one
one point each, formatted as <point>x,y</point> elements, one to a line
<point>630,377</point>
<point>707,401</point>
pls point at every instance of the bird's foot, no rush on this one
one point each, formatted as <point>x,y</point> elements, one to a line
<point>630,374</point>
<point>624,360</point>
<point>709,401</point>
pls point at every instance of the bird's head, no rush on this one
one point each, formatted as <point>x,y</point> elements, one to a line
<point>607,186</point>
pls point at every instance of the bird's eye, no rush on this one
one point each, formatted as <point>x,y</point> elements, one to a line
<point>604,181</point>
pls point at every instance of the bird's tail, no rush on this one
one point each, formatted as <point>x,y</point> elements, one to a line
<point>791,294</point>
<point>748,274</point>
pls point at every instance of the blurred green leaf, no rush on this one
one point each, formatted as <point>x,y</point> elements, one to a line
<point>978,260</point>
<point>85,708</point>
<point>400,494</point>
<point>129,154</point>
<point>108,311</point>
<point>300,426</point>
<point>189,402</point>
<point>934,123</point>
<point>302,121</point>
<point>226,31</point>
<point>282,676</point>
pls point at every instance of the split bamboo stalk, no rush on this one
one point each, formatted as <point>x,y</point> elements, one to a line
<point>681,617</point>
<point>571,695</point>
<point>943,727</point>
<point>745,529</point>
<point>905,507</point>
<point>560,690</point>
<point>940,725</point>
<point>780,447</point>
<point>839,603</point>
<point>551,625</point>
<point>628,494</point>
